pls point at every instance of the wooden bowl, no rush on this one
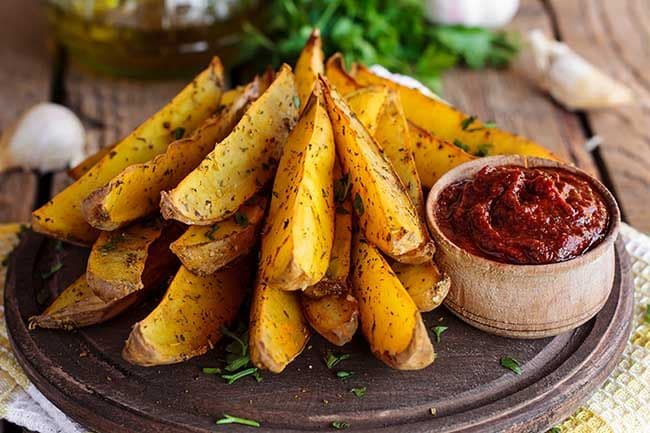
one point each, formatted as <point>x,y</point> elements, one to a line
<point>524,301</point>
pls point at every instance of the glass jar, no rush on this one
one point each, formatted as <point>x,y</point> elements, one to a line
<point>151,38</point>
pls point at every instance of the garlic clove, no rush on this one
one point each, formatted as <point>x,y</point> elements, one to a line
<point>568,77</point>
<point>47,137</point>
<point>472,13</point>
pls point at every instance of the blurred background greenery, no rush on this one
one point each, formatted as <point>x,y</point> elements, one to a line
<point>165,38</point>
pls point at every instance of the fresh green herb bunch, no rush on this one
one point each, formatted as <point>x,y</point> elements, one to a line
<point>394,33</point>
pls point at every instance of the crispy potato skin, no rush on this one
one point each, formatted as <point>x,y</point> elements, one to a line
<point>84,166</point>
<point>426,285</point>
<point>339,78</point>
<point>299,232</point>
<point>334,316</point>
<point>135,192</point>
<point>390,320</point>
<point>188,320</point>
<point>241,164</point>
<point>386,214</point>
<point>125,261</point>
<point>77,306</point>
<point>205,250</point>
<point>434,156</point>
<point>446,122</point>
<point>278,330</point>
<point>62,218</point>
<point>309,66</point>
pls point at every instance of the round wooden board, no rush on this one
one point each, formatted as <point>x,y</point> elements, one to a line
<point>83,373</point>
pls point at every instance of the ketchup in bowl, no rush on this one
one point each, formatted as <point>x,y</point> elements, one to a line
<point>520,215</point>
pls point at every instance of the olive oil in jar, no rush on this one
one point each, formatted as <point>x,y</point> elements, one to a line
<point>151,38</point>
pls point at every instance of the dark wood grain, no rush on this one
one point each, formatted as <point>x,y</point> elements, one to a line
<point>83,373</point>
<point>615,35</point>
<point>25,72</point>
<point>516,104</point>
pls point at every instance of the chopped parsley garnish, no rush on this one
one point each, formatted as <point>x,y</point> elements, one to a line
<point>647,313</point>
<point>342,374</point>
<point>232,378</point>
<point>490,124</point>
<point>241,219</point>
<point>332,359</point>
<point>358,204</point>
<point>178,133</point>
<point>555,429</point>
<point>296,101</point>
<point>339,425</point>
<point>237,359</point>
<point>211,370</point>
<point>210,233</point>
<point>460,144</point>
<point>341,188</point>
<point>229,419</point>
<point>483,149</point>
<point>359,392</point>
<point>58,246</point>
<point>511,364</point>
<point>53,270</point>
<point>438,330</point>
<point>467,122</point>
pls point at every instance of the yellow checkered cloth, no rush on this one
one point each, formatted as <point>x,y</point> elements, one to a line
<point>621,405</point>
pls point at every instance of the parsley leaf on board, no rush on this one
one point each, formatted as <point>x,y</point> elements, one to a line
<point>438,330</point>
<point>229,419</point>
<point>511,364</point>
<point>332,359</point>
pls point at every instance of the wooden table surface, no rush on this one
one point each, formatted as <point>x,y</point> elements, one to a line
<point>615,35</point>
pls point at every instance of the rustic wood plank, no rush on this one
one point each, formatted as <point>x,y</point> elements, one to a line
<point>25,72</point>
<point>111,108</point>
<point>516,104</point>
<point>614,36</point>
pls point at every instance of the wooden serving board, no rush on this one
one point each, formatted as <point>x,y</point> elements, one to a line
<point>83,373</point>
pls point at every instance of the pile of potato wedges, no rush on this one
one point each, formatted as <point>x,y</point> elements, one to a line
<point>302,189</point>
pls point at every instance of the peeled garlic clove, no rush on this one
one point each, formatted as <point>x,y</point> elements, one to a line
<point>48,137</point>
<point>569,78</point>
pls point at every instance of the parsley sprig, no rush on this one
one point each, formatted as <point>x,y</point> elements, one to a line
<point>229,419</point>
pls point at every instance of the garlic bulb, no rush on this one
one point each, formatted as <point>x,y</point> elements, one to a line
<point>569,78</point>
<point>475,13</point>
<point>47,137</point>
<point>405,80</point>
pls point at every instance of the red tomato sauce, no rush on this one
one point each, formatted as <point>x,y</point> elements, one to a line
<point>522,215</point>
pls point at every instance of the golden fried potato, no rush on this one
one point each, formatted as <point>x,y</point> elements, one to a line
<point>62,218</point>
<point>78,306</point>
<point>189,318</point>
<point>386,214</point>
<point>241,164</point>
<point>278,331</point>
<point>434,156</point>
<point>125,261</point>
<point>299,232</point>
<point>135,193</point>
<point>338,77</point>
<point>425,283</point>
<point>390,320</point>
<point>334,316</point>
<point>389,127</point>
<point>448,123</point>
<point>204,250</point>
<point>309,66</point>
<point>80,169</point>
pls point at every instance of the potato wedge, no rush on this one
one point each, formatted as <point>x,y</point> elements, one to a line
<point>299,232</point>
<point>426,285</point>
<point>434,156</point>
<point>448,123</point>
<point>278,331</point>
<point>204,250</point>
<point>338,77</point>
<point>389,127</point>
<point>241,164</point>
<point>387,216</point>
<point>334,316</point>
<point>135,192</point>
<point>390,320</point>
<point>62,218</point>
<point>309,66</point>
<point>125,261</point>
<point>335,280</point>
<point>188,320</point>
<point>84,166</point>
<point>78,306</point>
